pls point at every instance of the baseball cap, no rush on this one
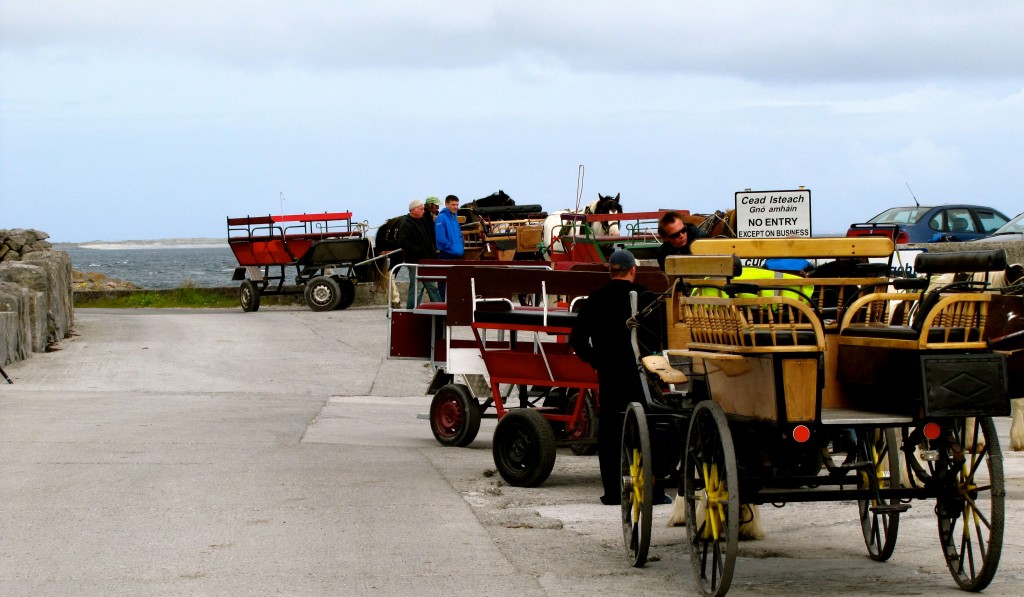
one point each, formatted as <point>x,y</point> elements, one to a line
<point>433,200</point>
<point>414,204</point>
<point>621,260</point>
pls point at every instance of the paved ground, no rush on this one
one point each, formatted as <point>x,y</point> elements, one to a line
<point>216,452</point>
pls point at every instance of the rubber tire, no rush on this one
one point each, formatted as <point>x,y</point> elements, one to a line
<point>637,500</point>
<point>347,294</point>
<point>709,446</point>
<point>249,296</point>
<point>958,479</point>
<point>322,293</point>
<point>880,530</point>
<point>524,448</point>
<point>589,431</point>
<point>454,416</point>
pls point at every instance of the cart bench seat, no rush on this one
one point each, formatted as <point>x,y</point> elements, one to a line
<point>900,332</point>
<point>563,370</point>
<point>527,317</point>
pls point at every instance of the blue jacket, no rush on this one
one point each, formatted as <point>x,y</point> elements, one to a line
<point>449,235</point>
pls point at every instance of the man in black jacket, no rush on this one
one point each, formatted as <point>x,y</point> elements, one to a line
<point>677,236</point>
<point>416,237</point>
<point>601,338</point>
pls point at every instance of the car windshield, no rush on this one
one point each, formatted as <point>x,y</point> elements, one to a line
<point>900,215</point>
<point>1014,226</point>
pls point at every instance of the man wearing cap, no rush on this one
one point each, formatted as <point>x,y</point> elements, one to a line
<point>433,206</point>
<point>677,236</point>
<point>416,238</point>
<point>601,338</point>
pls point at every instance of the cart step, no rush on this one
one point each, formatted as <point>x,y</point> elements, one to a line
<point>855,465</point>
<point>889,508</point>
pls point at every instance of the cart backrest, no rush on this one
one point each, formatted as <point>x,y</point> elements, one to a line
<point>510,281</point>
<point>807,248</point>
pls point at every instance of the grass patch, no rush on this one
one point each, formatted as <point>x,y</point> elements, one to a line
<point>185,297</point>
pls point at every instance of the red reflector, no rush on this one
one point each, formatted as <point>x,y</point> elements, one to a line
<point>931,430</point>
<point>801,433</point>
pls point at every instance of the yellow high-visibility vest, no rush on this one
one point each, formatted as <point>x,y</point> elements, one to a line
<point>755,273</point>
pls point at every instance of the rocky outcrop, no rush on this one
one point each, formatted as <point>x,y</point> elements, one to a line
<point>36,301</point>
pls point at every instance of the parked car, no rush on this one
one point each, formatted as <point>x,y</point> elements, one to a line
<point>1012,230</point>
<point>923,224</point>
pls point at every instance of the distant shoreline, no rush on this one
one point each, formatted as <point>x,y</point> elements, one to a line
<point>165,243</point>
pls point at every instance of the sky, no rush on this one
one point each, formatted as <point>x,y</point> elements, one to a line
<point>136,119</point>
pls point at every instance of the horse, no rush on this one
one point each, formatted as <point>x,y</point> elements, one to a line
<point>721,224</point>
<point>556,227</point>
<point>1001,331</point>
<point>605,204</point>
<point>384,241</point>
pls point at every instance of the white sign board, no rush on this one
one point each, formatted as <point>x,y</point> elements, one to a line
<point>773,214</point>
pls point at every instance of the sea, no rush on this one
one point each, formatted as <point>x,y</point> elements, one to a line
<point>157,264</point>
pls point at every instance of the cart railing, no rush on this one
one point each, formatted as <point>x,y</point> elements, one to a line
<point>956,321</point>
<point>745,325</point>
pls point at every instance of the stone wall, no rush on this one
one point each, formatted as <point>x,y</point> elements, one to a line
<point>36,302</point>
<point>1014,249</point>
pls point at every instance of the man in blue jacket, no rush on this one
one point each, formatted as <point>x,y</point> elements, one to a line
<point>447,230</point>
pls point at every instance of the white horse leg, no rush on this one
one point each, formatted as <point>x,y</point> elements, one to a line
<point>751,524</point>
<point>678,516</point>
<point>969,425</point>
<point>1017,425</point>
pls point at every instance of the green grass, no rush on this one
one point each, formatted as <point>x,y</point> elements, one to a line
<point>184,297</point>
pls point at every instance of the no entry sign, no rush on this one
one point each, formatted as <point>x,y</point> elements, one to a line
<point>773,214</point>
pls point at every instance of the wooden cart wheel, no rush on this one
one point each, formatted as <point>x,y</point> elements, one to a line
<point>880,521</point>
<point>346,293</point>
<point>322,293</point>
<point>524,447</point>
<point>637,484</point>
<point>971,501</point>
<point>711,491</point>
<point>454,416</point>
<point>586,427</point>
<point>249,296</point>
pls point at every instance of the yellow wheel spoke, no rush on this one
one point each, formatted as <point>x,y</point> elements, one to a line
<point>635,471</point>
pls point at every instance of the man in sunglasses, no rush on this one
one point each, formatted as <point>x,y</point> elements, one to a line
<point>677,236</point>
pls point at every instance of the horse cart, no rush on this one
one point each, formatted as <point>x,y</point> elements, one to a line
<point>328,256</point>
<point>496,357</point>
<point>849,386</point>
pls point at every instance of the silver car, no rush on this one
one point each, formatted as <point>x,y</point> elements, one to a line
<point>1010,231</point>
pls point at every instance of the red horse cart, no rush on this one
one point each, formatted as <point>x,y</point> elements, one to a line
<point>328,254</point>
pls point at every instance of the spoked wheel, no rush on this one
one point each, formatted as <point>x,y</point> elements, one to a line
<point>454,416</point>
<point>524,447</point>
<point>249,296</point>
<point>880,519</point>
<point>637,484</point>
<point>971,501</point>
<point>711,490</point>
<point>322,293</point>
<point>586,426</point>
<point>346,293</point>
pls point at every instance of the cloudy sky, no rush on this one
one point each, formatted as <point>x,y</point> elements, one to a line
<point>136,119</point>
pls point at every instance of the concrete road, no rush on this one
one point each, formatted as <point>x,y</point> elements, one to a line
<point>215,452</point>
